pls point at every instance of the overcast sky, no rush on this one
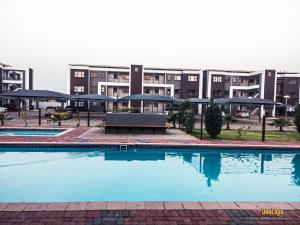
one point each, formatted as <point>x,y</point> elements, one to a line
<point>225,34</point>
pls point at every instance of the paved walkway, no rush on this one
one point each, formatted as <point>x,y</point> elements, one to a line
<point>147,213</point>
<point>86,135</point>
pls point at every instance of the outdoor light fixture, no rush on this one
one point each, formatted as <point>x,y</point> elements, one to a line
<point>286,98</point>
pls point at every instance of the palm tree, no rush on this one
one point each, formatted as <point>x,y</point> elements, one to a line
<point>281,123</point>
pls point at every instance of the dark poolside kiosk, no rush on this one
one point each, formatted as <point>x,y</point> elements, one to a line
<point>139,123</point>
<point>36,95</point>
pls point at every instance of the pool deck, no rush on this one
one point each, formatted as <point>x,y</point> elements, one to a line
<point>96,136</point>
<point>147,213</point>
<point>143,213</point>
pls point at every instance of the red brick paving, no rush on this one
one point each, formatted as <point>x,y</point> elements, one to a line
<point>74,137</point>
<point>146,217</point>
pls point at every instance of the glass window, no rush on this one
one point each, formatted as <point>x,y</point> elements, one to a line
<point>217,79</point>
<point>192,78</point>
<point>94,74</point>
<point>78,88</point>
<point>177,77</point>
<point>79,74</point>
<point>102,89</point>
<point>169,77</point>
<point>156,90</point>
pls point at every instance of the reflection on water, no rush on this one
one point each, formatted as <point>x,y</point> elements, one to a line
<point>149,175</point>
<point>296,171</point>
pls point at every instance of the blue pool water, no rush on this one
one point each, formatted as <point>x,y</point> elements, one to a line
<point>31,132</point>
<point>77,174</point>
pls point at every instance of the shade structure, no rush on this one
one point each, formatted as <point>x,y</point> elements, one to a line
<point>93,97</point>
<point>37,94</point>
<point>246,101</point>
<point>198,100</point>
<point>147,97</point>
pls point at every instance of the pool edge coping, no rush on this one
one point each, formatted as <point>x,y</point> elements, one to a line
<point>147,205</point>
<point>97,144</point>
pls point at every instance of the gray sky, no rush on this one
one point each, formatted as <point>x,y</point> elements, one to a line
<point>233,34</point>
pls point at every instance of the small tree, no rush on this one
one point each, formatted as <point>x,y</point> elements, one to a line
<point>189,120</point>
<point>183,106</point>
<point>59,116</point>
<point>4,117</point>
<point>297,117</point>
<point>227,119</point>
<point>173,119</point>
<point>281,123</point>
<point>213,120</point>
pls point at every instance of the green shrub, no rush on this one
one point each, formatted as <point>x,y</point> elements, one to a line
<point>213,120</point>
<point>183,106</point>
<point>59,116</point>
<point>227,119</point>
<point>297,117</point>
<point>4,117</point>
<point>189,120</point>
<point>173,119</point>
<point>281,123</point>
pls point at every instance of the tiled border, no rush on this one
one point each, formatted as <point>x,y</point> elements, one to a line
<point>71,206</point>
<point>148,146</point>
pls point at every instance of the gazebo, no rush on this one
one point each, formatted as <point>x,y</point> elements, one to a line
<point>91,97</point>
<point>35,94</point>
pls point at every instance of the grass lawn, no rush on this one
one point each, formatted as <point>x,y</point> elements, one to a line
<point>253,135</point>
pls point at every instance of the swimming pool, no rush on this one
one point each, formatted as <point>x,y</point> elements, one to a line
<point>31,132</point>
<point>148,174</point>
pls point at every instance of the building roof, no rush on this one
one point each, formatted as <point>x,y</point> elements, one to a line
<point>100,66</point>
<point>4,65</point>
<point>35,94</point>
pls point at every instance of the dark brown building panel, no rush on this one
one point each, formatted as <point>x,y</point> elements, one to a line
<point>78,81</point>
<point>136,79</point>
<point>189,87</point>
<point>136,82</point>
<point>269,84</point>
<point>217,86</point>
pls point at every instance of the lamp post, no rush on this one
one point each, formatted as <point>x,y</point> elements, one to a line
<point>286,99</point>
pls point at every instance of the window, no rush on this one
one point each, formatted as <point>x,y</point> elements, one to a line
<point>234,79</point>
<point>292,81</point>
<point>155,105</point>
<point>102,74</point>
<point>79,74</point>
<point>227,79</point>
<point>217,79</point>
<point>78,88</point>
<point>177,77</point>
<point>193,78</point>
<point>192,93</point>
<point>93,89</point>
<point>94,74</point>
<point>156,91</point>
<point>147,91</point>
<point>157,78</point>
<point>168,91</point>
<point>102,89</point>
<point>115,90</point>
<point>217,93</point>
<point>115,76</point>
<point>169,77</point>
<point>177,91</point>
<point>81,104</point>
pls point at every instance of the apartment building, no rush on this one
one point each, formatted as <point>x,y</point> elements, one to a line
<point>120,81</point>
<point>12,79</point>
